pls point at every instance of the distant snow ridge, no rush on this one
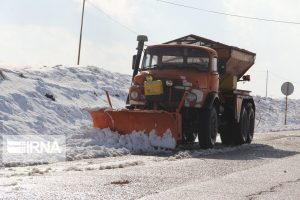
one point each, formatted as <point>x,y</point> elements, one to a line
<point>270,114</point>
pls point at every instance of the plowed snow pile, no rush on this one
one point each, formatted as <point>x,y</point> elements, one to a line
<point>51,100</point>
<point>101,143</point>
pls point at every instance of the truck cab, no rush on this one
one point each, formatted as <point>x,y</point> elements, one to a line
<point>169,71</point>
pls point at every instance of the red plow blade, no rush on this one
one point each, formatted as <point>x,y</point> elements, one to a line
<point>126,121</point>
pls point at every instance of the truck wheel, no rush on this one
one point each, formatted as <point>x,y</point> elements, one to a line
<point>189,137</point>
<point>251,118</point>
<point>226,134</point>
<point>208,134</point>
<point>242,129</point>
<point>227,128</point>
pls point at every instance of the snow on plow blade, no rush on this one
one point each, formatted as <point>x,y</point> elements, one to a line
<point>126,121</point>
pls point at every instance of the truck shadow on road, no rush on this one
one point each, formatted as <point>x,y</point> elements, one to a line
<point>243,152</point>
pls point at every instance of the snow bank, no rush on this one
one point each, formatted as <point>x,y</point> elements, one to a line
<point>55,101</point>
<point>270,114</point>
<point>52,100</point>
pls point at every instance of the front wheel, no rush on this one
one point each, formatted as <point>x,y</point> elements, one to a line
<point>189,136</point>
<point>208,134</point>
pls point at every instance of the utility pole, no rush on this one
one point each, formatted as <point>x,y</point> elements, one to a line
<point>80,37</point>
<point>267,82</point>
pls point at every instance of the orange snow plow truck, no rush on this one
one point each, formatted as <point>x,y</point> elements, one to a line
<point>189,86</point>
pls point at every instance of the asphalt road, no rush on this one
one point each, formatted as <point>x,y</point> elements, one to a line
<point>267,169</point>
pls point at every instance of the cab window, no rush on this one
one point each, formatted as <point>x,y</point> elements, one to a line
<point>214,64</point>
<point>176,57</point>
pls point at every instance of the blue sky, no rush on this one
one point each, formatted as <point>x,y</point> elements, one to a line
<point>45,32</point>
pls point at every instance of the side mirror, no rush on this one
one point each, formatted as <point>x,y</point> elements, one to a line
<point>221,67</point>
<point>133,61</point>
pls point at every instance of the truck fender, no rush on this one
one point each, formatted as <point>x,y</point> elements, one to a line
<point>242,101</point>
<point>250,102</point>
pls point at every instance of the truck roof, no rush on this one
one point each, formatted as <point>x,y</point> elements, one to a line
<point>238,61</point>
<point>201,41</point>
<point>210,50</point>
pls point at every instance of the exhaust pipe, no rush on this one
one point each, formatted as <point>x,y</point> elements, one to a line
<point>137,59</point>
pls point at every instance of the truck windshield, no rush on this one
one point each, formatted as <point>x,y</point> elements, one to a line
<point>176,57</point>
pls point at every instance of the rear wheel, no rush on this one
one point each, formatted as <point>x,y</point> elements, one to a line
<point>208,134</point>
<point>227,129</point>
<point>242,129</point>
<point>251,118</point>
<point>226,133</point>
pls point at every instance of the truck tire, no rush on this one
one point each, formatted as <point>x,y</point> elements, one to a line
<point>189,136</point>
<point>208,134</point>
<point>227,129</point>
<point>226,133</point>
<point>242,128</point>
<point>251,118</point>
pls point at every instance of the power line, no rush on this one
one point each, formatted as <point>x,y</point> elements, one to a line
<point>229,14</point>
<point>275,75</point>
<point>279,77</point>
<point>254,70</point>
<point>117,22</point>
<point>112,19</point>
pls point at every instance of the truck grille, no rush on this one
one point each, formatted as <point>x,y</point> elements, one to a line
<point>172,96</point>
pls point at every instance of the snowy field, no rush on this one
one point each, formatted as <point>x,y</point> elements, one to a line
<point>53,101</point>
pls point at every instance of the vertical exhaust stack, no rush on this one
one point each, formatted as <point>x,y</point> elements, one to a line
<point>141,40</point>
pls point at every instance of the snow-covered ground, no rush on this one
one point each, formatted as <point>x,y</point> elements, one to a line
<point>52,101</point>
<point>270,114</point>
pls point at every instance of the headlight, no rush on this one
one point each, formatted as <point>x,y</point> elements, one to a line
<point>134,95</point>
<point>191,97</point>
<point>169,83</point>
<point>149,78</point>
